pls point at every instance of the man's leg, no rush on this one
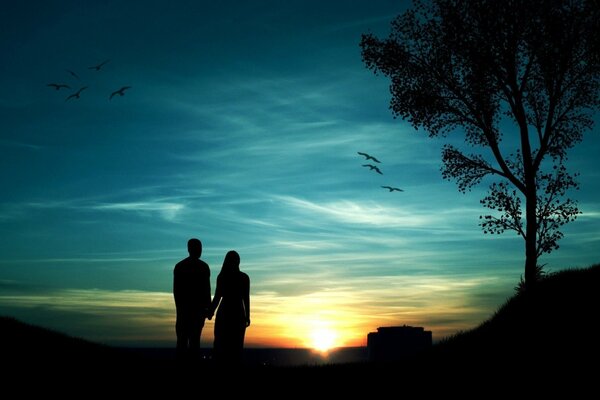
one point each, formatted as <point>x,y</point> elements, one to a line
<point>182,336</point>
<point>195,337</point>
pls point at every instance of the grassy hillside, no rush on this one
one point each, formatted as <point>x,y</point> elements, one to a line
<point>550,327</point>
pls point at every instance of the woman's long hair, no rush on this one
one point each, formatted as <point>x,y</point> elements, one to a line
<point>229,277</point>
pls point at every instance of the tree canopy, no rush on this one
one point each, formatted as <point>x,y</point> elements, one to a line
<point>471,66</point>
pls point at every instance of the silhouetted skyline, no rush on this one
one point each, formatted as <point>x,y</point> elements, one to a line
<point>242,128</point>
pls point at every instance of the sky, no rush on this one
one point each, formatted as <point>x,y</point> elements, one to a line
<point>241,127</point>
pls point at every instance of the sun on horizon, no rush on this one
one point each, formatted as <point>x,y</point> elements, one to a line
<point>323,339</point>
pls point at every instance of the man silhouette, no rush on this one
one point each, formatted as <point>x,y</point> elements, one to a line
<point>191,290</point>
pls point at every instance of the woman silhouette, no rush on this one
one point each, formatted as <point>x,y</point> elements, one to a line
<point>232,298</point>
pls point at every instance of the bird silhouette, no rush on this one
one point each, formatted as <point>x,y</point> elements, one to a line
<point>73,74</point>
<point>120,92</point>
<point>368,157</point>
<point>373,167</point>
<point>392,189</point>
<point>99,66</point>
<point>76,94</point>
<point>58,86</point>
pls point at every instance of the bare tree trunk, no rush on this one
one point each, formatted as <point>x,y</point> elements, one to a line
<point>531,238</point>
<point>529,175</point>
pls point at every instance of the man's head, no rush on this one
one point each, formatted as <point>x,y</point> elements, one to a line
<point>195,248</point>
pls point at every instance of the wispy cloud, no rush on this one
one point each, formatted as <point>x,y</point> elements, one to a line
<point>353,212</point>
<point>163,207</point>
<point>589,213</point>
<point>115,317</point>
<point>168,211</point>
<point>352,307</point>
<point>21,145</point>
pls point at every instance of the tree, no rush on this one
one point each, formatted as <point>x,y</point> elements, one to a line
<point>477,66</point>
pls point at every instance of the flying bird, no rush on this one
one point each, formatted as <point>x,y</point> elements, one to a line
<point>58,86</point>
<point>120,92</point>
<point>99,66</point>
<point>392,189</point>
<point>76,94</point>
<point>373,167</point>
<point>73,74</point>
<point>368,157</point>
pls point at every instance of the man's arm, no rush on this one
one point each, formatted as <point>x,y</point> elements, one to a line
<point>206,294</point>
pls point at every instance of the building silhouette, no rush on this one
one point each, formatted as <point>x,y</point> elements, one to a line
<point>395,343</point>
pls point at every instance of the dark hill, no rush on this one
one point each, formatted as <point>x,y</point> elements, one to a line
<point>25,347</point>
<point>550,328</point>
<point>21,340</point>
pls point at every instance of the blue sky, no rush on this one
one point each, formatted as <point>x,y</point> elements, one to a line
<point>241,128</point>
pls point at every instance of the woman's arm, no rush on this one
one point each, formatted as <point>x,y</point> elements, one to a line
<point>175,287</point>
<point>247,300</point>
<point>215,302</point>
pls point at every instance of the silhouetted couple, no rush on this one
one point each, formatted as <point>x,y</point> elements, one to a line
<point>191,289</point>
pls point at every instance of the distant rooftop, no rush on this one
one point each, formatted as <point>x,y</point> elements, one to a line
<point>394,343</point>
<point>398,329</point>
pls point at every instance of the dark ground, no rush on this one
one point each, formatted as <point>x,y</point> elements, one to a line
<point>541,341</point>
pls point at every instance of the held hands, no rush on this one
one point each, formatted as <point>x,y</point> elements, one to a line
<point>209,314</point>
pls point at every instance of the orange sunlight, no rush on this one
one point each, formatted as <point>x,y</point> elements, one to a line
<point>343,317</point>
<point>318,321</point>
<point>323,339</point>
